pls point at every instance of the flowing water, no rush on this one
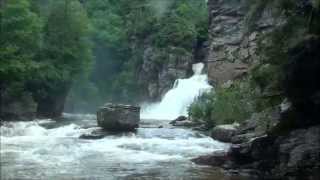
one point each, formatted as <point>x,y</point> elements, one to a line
<point>48,149</point>
<point>45,149</point>
<point>176,101</point>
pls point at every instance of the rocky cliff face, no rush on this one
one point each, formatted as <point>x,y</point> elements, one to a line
<point>280,142</point>
<point>232,49</point>
<point>161,67</point>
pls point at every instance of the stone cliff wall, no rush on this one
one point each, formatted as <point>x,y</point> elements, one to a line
<point>232,49</point>
<point>282,143</point>
<point>161,67</point>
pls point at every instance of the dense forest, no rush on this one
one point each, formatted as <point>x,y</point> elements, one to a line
<point>89,52</point>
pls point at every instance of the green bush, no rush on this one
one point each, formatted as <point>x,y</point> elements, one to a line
<point>224,106</point>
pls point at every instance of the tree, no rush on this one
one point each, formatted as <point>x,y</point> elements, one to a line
<point>20,37</point>
<point>66,54</point>
<point>19,43</point>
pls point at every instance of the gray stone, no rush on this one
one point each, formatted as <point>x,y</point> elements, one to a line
<point>230,44</point>
<point>118,117</point>
<point>299,152</point>
<point>186,123</point>
<point>238,139</point>
<point>158,78</point>
<point>224,133</point>
<point>218,158</point>
<point>183,121</point>
<point>221,72</point>
<point>180,118</point>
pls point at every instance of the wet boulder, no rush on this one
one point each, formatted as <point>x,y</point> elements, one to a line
<point>118,117</point>
<point>216,159</point>
<point>186,123</point>
<point>180,118</point>
<point>224,133</point>
<point>182,121</point>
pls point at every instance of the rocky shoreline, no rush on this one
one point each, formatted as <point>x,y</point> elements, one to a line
<point>261,151</point>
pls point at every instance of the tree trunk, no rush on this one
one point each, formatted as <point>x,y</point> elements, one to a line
<point>53,105</point>
<point>1,99</point>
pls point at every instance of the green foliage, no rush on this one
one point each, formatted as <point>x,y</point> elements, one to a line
<point>183,25</point>
<point>19,43</point>
<point>298,20</point>
<point>224,105</point>
<point>122,29</point>
<point>265,75</point>
<point>107,22</point>
<point>45,45</point>
<point>43,55</point>
<point>65,52</point>
<point>66,38</point>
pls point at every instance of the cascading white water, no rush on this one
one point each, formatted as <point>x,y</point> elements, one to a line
<point>47,149</point>
<point>177,100</point>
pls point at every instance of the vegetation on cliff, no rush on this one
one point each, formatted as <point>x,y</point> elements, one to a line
<point>279,139</point>
<point>123,30</point>
<point>268,82</point>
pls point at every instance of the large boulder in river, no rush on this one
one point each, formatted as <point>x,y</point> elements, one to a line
<point>118,117</point>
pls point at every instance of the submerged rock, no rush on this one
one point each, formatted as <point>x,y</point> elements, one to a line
<point>183,121</point>
<point>118,117</point>
<point>180,118</point>
<point>92,136</point>
<point>186,123</point>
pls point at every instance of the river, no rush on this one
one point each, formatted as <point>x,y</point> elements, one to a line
<point>49,149</point>
<point>46,149</point>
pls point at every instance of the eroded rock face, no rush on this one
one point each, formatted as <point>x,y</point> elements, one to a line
<point>232,48</point>
<point>221,72</point>
<point>299,154</point>
<point>118,117</point>
<point>159,77</point>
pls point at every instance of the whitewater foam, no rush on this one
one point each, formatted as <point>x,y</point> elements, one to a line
<point>177,100</point>
<point>57,152</point>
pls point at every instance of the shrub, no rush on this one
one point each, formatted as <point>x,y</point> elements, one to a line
<point>224,106</point>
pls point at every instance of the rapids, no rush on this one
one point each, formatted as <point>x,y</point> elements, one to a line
<point>46,149</point>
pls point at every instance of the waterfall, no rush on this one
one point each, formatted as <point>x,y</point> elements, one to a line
<point>177,100</point>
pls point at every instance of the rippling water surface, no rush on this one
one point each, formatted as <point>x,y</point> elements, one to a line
<point>45,149</point>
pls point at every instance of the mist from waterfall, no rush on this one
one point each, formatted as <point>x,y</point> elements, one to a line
<point>177,100</point>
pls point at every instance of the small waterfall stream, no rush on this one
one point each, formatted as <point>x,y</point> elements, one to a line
<point>177,100</point>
